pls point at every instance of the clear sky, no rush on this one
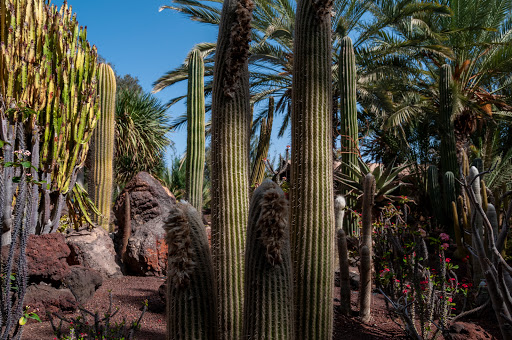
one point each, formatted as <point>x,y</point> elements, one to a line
<point>141,41</point>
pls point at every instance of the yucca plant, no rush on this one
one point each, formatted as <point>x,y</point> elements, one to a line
<point>387,179</point>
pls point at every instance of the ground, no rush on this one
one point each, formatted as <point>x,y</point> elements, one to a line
<point>129,292</point>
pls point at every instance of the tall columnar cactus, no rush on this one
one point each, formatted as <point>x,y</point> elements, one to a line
<point>349,128</point>
<point>191,298</point>
<point>268,311</point>
<point>258,168</point>
<point>195,130</point>
<point>312,211</point>
<point>341,236</point>
<point>365,290</point>
<point>230,164</point>
<point>102,148</point>
<point>446,129</point>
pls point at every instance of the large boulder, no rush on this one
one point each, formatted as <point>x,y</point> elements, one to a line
<point>43,299</point>
<point>83,282</point>
<point>93,249</point>
<point>46,258</point>
<point>150,203</point>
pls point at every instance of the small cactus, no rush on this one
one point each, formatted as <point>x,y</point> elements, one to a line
<point>268,313</point>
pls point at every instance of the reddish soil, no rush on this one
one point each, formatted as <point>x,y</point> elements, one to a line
<point>129,292</point>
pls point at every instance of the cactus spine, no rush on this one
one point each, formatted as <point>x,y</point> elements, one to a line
<point>365,291</point>
<point>195,130</point>
<point>258,168</point>
<point>448,148</point>
<point>268,311</point>
<point>312,211</point>
<point>230,164</point>
<point>102,151</point>
<point>349,128</point>
<point>191,299</point>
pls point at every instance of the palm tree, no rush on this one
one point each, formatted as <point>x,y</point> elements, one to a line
<point>141,135</point>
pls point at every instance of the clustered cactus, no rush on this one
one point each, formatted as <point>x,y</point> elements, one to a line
<point>48,66</point>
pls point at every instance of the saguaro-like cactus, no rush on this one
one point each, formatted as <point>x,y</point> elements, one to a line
<point>230,163</point>
<point>349,128</point>
<point>191,298</point>
<point>268,311</point>
<point>365,291</point>
<point>102,150</point>
<point>446,129</point>
<point>312,212</point>
<point>195,131</point>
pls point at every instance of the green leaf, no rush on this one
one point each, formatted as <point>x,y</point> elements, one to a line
<point>26,164</point>
<point>16,179</point>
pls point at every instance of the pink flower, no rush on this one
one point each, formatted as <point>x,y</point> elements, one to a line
<point>448,260</point>
<point>445,246</point>
<point>444,237</point>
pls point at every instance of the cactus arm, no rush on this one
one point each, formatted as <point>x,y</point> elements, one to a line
<point>258,168</point>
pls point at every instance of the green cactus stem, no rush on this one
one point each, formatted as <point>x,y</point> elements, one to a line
<point>268,313</point>
<point>349,128</point>
<point>195,131</point>
<point>449,196</point>
<point>311,194</point>
<point>258,168</point>
<point>365,290</point>
<point>230,163</point>
<point>102,150</point>
<point>477,223</point>
<point>447,130</point>
<point>434,192</point>
<point>461,250</point>
<point>191,298</point>
<point>341,237</point>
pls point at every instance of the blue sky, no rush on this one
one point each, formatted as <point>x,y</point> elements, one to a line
<point>141,41</point>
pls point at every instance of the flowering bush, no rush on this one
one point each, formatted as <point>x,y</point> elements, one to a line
<point>417,284</point>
